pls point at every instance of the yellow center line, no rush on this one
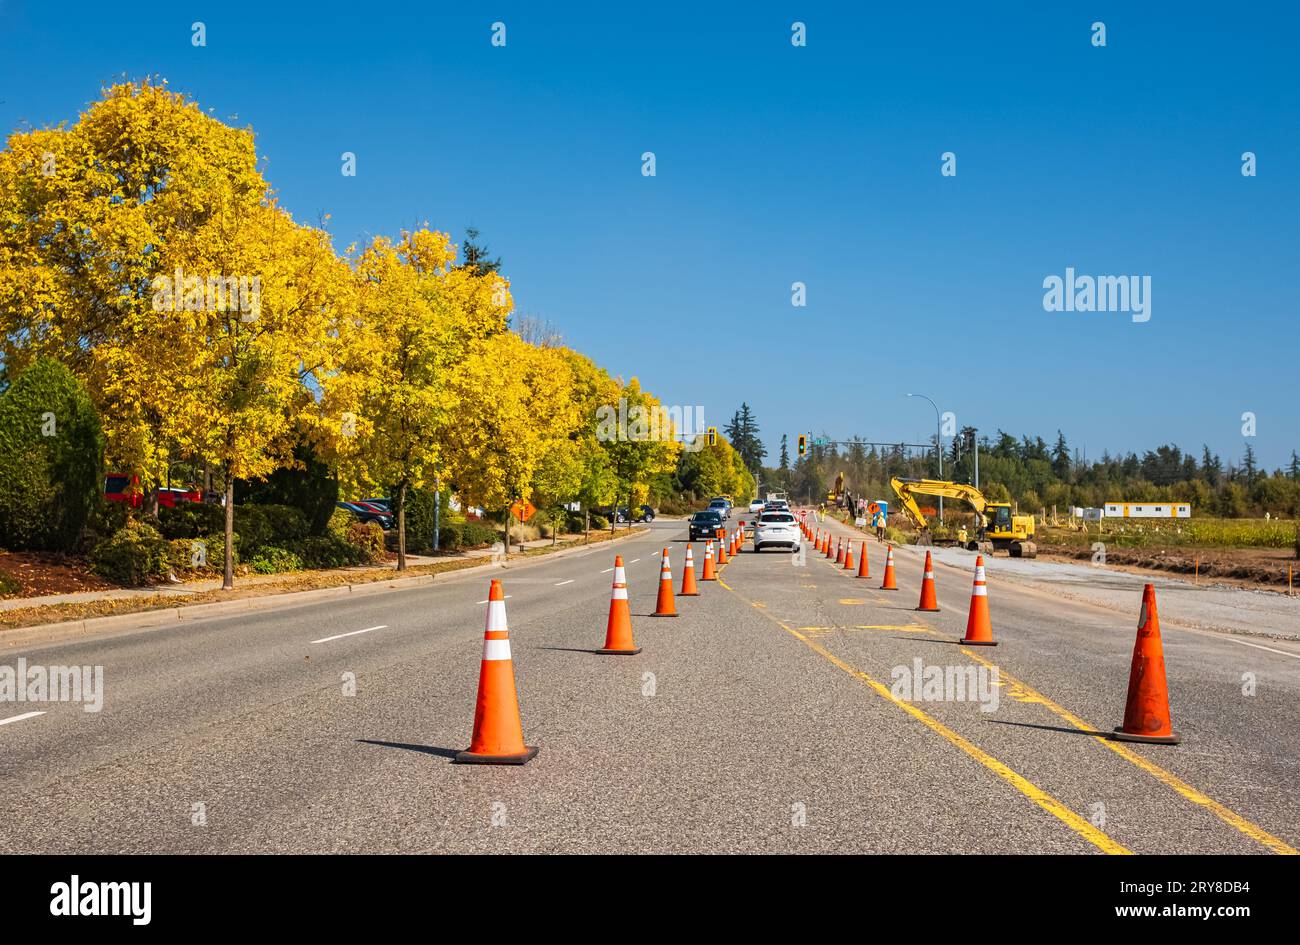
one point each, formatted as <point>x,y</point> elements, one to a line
<point>1026,787</point>
<point>1024,693</point>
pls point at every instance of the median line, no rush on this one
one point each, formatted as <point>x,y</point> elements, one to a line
<point>562,583</point>
<point>1228,816</point>
<point>353,633</point>
<point>1047,802</point>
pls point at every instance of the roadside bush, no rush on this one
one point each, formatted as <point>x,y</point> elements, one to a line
<point>51,459</point>
<point>327,551</point>
<point>308,486</point>
<point>368,540</point>
<point>9,585</point>
<point>455,536</point>
<point>420,507</point>
<point>262,525</point>
<point>339,523</point>
<point>134,555</point>
<point>191,520</point>
<point>181,555</point>
<point>273,560</point>
<point>106,518</point>
<point>599,522</point>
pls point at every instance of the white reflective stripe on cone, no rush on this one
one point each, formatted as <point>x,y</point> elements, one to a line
<point>496,649</point>
<point>979,574</point>
<point>496,615</point>
<point>620,592</point>
<point>620,576</point>
<point>979,590</point>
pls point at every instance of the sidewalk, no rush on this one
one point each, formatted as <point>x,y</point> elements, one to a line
<point>190,588</point>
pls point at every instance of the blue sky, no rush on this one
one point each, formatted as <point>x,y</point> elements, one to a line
<point>778,164</point>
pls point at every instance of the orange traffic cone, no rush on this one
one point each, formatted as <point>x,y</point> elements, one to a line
<point>817,540</point>
<point>722,548</point>
<point>978,630</point>
<point>710,572</point>
<point>498,733</point>
<point>830,552</point>
<point>839,551</point>
<point>848,556</point>
<point>863,570</point>
<point>689,587</point>
<point>888,584</point>
<point>928,599</point>
<point>618,635</point>
<point>1146,712</point>
<point>666,606</point>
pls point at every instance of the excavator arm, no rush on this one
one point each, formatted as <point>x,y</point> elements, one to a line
<point>906,488</point>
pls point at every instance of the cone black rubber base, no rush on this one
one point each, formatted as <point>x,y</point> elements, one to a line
<point>928,610</point>
<point>978,642</point>
<point>1120,735</point>
<point>886,588</point>
<point>609,652</point>
<point>695,594</point>
<point>467,758</point>
<point>663,615</point>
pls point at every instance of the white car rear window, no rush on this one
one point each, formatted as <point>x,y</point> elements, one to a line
<point>782,517</point>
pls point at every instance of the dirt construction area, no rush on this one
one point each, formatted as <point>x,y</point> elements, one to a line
<point>1243,567</point>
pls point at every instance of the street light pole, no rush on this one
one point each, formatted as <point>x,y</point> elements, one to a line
<point>938,443</point>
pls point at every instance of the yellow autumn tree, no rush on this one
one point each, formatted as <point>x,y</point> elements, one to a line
<point>513,406</point>
<point>419,314</point>
<point>91,215</point>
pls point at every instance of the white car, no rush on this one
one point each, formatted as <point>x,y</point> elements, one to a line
<point>777,529</point>
<point>756,505</point>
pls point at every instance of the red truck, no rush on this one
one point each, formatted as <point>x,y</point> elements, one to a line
<point>116,486</point>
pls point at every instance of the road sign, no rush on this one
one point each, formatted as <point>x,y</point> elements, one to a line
<point>523,510</point>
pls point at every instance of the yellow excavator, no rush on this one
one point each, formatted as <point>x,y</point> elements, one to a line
<point>995,527</point>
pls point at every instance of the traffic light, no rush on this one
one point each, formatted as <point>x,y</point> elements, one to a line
<point>803,445</point>
<point>713,436</point>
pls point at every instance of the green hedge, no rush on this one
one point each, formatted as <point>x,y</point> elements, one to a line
<point>272,560</point>
<point>134,555</point>
<point>51,459</point>
<point>454,536</point>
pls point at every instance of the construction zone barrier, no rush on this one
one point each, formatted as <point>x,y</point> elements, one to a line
<point>618,632</point>
<point>889,583</point>
<point>929,601</point>
<point>689,587</point>
<point>1146,710</point>
<point>979,632</point>
<point>666,606</point>
<point>498,737</point>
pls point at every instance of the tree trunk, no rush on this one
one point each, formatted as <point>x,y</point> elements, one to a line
<point>401,525</point>
<point>586,527</point>
<point>506,542</point>
<point>228,578</point>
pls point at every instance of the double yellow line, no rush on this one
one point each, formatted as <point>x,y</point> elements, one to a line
<point>1020,690</point>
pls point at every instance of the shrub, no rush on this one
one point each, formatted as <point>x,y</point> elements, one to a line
<point>262,525</point>
<point>273,560</point>
<point>368,540</point>
<point>599,522</point>
<point>457,535</point>
<point>191,520</point>
<point>326,551</point>
<point>9,585</point>
<point>181,555</point>
<point>48,483</point>
<point>308,486</point>
<point>134,555</point>
<point>339,523</point>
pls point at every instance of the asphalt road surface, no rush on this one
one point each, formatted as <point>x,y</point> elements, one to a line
<point>765,718</point>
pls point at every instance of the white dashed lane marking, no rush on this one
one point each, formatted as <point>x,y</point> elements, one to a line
<point>353,633</point>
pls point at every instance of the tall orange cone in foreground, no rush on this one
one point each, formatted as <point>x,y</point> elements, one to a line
<point>928,599</point>
<point>888,584</point>
<point>498,733</point>
<point>979,632</point>
<point>1146,713</point>
<point>689,587</point>
<point>666,606</point>
<point>710,572</point>
<point>863,570</point>
<point>848,555</point>
<point>618,635</point>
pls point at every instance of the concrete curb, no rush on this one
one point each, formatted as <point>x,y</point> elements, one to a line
<point>174,616</point>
